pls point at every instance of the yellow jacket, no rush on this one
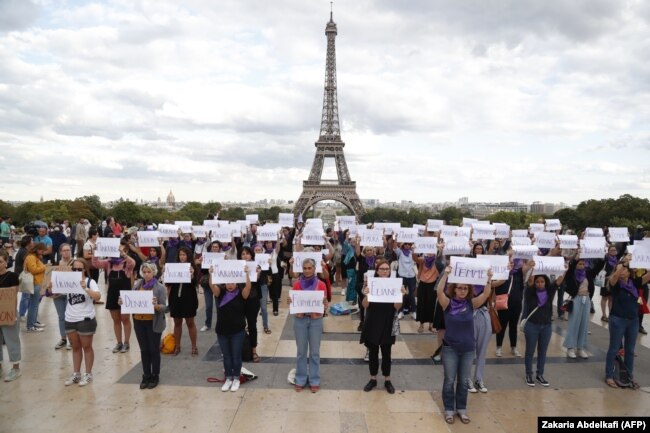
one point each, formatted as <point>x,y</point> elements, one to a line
<point>34,266</point>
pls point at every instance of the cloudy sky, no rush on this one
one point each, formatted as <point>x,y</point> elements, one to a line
<point>221,100</point>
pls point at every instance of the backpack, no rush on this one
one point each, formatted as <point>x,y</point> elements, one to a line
<point>168,344</point>
<point>621,374</point>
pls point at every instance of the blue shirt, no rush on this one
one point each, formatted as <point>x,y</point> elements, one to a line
<point>405,263</point>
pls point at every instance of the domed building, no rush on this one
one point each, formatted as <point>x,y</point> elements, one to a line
<point>171,200</point>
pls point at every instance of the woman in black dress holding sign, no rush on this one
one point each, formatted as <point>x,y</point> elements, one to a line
<point>377,331</point>
<point>183,303</point>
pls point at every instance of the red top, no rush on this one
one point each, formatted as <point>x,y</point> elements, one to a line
<point>320,286</point>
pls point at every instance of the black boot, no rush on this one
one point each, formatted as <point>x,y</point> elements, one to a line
<point>145,381</point>
<point>153,381</point>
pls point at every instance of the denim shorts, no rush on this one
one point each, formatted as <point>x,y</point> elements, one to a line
<point>84,327</point>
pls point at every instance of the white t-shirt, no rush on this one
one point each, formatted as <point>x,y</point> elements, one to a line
<point>80,306</point>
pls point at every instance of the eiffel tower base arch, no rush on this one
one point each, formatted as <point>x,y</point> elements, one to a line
<point>313,194</point>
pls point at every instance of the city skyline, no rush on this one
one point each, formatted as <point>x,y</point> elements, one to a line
<point>514,102</point>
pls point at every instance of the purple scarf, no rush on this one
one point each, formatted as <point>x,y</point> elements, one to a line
<point>543,251</point>
<point>612,261</point>
<point>428,261</point>
<point>226,248</point>
<point>478,289</point>
<point>148,285</point>
<point>406,252</point>
<point>457,305</point>
<point>629,286</point>
<point>542,297</point>
<point>516,265</point>
<point>116,261</point>
<point>228,296</point>
<point>172,243</point>
<point>580,275</point>
<point>153,260</point>
<point>188,244</point>
<point>270,250</point>
<point>370,261</point>
<point>200,241</point>
<point>308,283</point>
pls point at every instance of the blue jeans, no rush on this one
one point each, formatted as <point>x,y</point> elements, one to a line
<point>59,304</point>
<point>621,330</point>
<point>209,302</point>
<point>24,304</point>
<point>576,336</point>
<point>408,305</point>
<point>457,367</point>
<point>231,349</point>
<point>536,336</point>
<point>32,311</point>
<point>308,333</point>
<point>265,298</point>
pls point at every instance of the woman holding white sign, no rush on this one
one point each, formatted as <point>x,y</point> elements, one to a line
<point>183,303</point>
<point>253,302</point>
<point>427,275</point>
<point>81,324</point>
<point>308,329</point>
<point>120,273</point>
<point>377,331</point>
<point>59,299</point>
<point>9,332</point>
<point>458,302</point>
<point>231,322</point>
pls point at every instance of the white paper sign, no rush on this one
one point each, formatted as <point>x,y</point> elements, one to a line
<point>426,245</point>
<point>594,232</point>
<point>385,290</point>
<point>299,256</point>
<point>434,225</point>
<point>371,238</point>
<point>168,230</point>
<point>457,246</point>
<point>262,260</point>
<point>211,224</point>
<point>252,219</point>
<point>228,271</point>
<point>346,221</point>
<point>306,301</point>
<point>641,256</point>
<point>467,270</point>
<point>208,259</point>
<point>252,271</point>
<point>568,242</point>
<point>483,232</point>
<point>107,247</point>
<point>545,239</point>
<point>552,225</point>
<point>520,241</point>
<point>420,228</point>
<point>467,222</point>
<point>503,230</point>
<point>200,231</point>
<point>526,252</point>
<point>498,264</point>
<point>67,282</point>
<point>285,219</point>
<point>593,248</point>
<point>222,234</point>
<point>406,235</point>
<point>619,234</point>
<point>547,265</point>
<point>265,233</point>
<point>315,222</point>
<point>185,226</point>
<point>464,231</point>
<point>312,236</point>
<point>177,273</point>
<point>148,239</point>
<point>137,301</point>
<point>535,228</point>
<point>388,228</point>
<point>521,233</point>
<point>447,232</point>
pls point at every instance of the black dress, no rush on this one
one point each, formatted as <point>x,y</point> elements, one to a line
<point>378,324</point>
<point>183,300</point>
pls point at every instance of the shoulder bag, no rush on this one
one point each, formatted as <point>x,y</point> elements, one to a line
<point>26,282</point>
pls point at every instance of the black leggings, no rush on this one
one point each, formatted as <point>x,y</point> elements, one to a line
<point>508,317</point>
<point>373,356</point>
<point>252,309</point>
<point>362,311</point>
<point>149,342</point>
<point>276,289</point>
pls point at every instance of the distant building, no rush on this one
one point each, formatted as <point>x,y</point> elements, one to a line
<point>171,200</point>
<point>482,210</point>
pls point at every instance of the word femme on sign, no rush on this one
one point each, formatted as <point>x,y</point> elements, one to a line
<point>460,271</point>
<point>135,303</point>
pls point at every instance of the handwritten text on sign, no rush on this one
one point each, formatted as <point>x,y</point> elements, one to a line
<point>498,264</point>
<point>200,231</point>
<point>426,245</point>
<point>208,259</point>
<point>312,236</point>
<point>520,240</point>
<point>262,260</point>
<point>168,230</point>
<point>137,301</point>
<point>456,246</point>
<point>177,273</point>
<point>519,233</point>
<point>299,257</point>
<point>545,265</point>
<point>185,226</point>
<point>228,271</point>
<point>483,231</point>
<point>67,282</point>
<point>306,301</point>
<point>619,234</point>
<point>503,230</point>
<point>407,235</point>
<point>434,225</point>
<point>385,290</point>
<point>285,219</point>
<point>545,239</point>
<point>593,248</point>
<point>641,256</point>
<point>148,239</point>
<point>568,242</point>
<point>267,233</point>
<point>371,238</point>
<point>8,298</point>
<point>466,270</point>
<point>552,225</point>
<point>107,247</point>
<point>525,252</point>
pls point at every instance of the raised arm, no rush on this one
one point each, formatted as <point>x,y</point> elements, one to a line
<point>480,299</point>
<point>443,300</point>
<point>247,288</point>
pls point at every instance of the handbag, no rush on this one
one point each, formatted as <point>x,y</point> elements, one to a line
<point>395,328</point>
<point>502,300</point>
<point>26,282</point>
<point>494,320</point>
<point>567,305</point>
<point>643,305</point>
<point>522,324</point>
<point>600,279</point>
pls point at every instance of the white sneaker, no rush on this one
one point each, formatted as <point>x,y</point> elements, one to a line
<point>515,352</point>
<point>34,329</point>
<point>470,386</point>
<point>204,328</point>
<point>343,292</point>
<point>13,374</point>
<point>39,325</point>
<point>499,352</point>
<point>68,346</point>
<point>583,354</point>
<point>74,378</point>
<point>235,385</point>
<point>413,315</point>
<point>86,379</point>
<point>400,316</point>
<point>571,353</point>
<point>226,386</point>
<point>481,386</point>
<point>366,357</point>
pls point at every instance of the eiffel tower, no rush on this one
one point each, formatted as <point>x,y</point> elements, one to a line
<point>329,145</point>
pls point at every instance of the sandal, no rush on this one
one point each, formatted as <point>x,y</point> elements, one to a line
<point>195,351</point>
<point>256,357</point>
<point>610,382</point>
<point>463,418</point>
<point>267,331</point>
<point>449,419</point>
<point>177,350</point>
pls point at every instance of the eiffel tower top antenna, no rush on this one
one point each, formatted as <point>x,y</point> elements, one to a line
<point>330,130</point>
